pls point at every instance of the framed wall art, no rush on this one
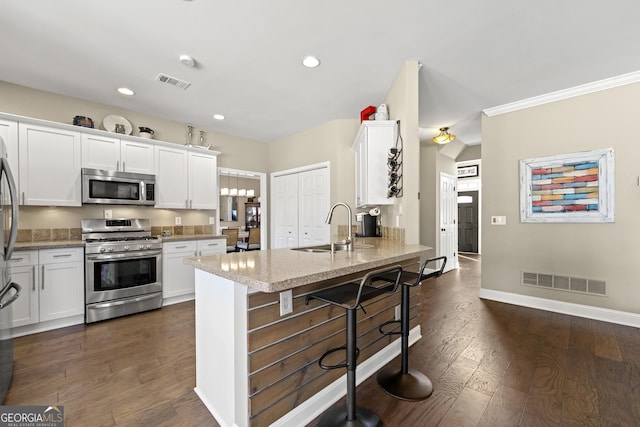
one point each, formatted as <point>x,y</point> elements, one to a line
<point>470,171</point>
<point>576,187</point>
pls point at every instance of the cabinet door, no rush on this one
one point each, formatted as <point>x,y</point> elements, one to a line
<point>171,178</point>
<point>178,277</point>
<point>372,143</point>
<point>136,157</point>
<point>9,133</point>
<point>100,152</point>
<point>61,290</point>
<point>50,163</point>
<point>313,207</point>
<point>25,308</point>
<point>203,188</point>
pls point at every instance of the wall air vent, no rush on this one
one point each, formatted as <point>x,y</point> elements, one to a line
<point>172,81</point>
<point>565,283</point>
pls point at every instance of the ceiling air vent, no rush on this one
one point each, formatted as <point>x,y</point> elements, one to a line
<point>172,81</point>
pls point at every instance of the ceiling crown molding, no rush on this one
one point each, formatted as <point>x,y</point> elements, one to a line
<point>560,95</point>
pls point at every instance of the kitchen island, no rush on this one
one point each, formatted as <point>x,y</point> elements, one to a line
<point>256,367</point>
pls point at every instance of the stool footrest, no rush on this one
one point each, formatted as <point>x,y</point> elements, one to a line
<point>387,323</point>
<point>331,351</point>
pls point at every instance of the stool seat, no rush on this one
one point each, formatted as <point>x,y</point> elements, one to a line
<point>405,383</point>
<point>350,296</point>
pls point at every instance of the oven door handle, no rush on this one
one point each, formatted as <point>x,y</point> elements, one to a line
<point>125,255</point>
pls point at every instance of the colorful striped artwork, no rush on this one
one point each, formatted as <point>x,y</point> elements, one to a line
<point>574,187</point>
<point>570,187</point>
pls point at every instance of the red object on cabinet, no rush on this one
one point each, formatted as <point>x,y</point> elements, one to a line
<point>364,114</point>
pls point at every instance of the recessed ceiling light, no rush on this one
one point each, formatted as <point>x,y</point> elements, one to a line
<point>218,116</point>
<point>126,91</point>
<point>310,62</point>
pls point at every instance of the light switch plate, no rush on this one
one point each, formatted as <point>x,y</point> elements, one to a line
<point>108,214</point>
<point>212,220</point>
<point>178,220</point>
<point>499,220</point>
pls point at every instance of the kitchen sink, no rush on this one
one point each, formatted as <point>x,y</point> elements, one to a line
<point>327,248</point>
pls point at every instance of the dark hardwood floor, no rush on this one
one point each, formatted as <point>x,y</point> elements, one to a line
<point>492,364</point>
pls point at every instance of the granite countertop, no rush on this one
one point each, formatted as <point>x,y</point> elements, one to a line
<point>276,270</point>
<point>48,244</point>
<point>178,238</point>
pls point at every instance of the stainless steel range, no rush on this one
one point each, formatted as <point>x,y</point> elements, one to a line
<point>123,270</point>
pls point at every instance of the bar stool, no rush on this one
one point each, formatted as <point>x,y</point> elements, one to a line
<point>350,296</point>
<point>405,383</point>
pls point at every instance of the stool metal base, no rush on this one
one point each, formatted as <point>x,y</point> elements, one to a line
<point>413,386</point>
<point>337,417</point>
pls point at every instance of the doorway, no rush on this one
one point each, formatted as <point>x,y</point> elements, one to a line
<point>448,214</point>
<point>468,221</point>
<point>236,203</point>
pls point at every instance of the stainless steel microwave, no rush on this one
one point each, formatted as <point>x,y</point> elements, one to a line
<point>118,188</point>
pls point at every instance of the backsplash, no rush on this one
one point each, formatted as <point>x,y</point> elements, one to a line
<point>182,230</point>
<point>391,233</point>
<point>49,234</point>
<point>66,234</point>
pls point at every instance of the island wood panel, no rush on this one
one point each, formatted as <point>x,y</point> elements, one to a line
<point>299,360</point>
<point>284,350</point>
<point>298,369</point>
<point>300,394</point>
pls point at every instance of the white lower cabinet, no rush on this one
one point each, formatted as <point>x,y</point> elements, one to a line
<point>52,282</point>
<point>178,278</point>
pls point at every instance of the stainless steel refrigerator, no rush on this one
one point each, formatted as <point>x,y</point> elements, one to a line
<point>9,291</point>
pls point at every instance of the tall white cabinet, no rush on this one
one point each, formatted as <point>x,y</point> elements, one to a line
<point>50,164</point>
<point>300,205</point>
<point>373,141</point>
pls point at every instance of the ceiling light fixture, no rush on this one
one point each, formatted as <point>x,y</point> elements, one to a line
<point>444,137</point>
<point>187,61</point>
<point>218,116</point>
<point>126,91</point>
<point>310,62</point>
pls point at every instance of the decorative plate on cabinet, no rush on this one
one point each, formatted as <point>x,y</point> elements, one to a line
<point>110,122</point>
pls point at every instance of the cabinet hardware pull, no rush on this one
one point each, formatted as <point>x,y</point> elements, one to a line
<point>23,197</point>
<point>42,282</point>
<point>62,256</point>
<point>118,165</point>
<point>124,169</point>
<point>16,259</point>
<point>34,278</point>
<point>181,247</point>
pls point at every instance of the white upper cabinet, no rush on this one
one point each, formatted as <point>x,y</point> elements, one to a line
<point>203,174</point>
<point>372,143</point>
<point>9,133</point>
<point>171,178</point>
<point>185,179</point>
<point>50,164</point>
<point>104,152</point>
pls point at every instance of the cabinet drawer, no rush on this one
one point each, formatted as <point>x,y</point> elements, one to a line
<point>212,244</point>
<point>176,247</point>
<point>21,258</point>
<point>51,256</point>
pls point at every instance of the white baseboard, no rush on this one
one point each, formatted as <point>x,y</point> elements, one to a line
<point>36,328</point>
<point>178,299</point>
<point>306,412</point>
<point>586,311</point>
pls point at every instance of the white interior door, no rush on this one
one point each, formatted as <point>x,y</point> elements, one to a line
<point>448,220</point>
<point>313,207</point>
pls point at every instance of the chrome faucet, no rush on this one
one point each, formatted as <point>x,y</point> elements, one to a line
<point>349,240</point>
